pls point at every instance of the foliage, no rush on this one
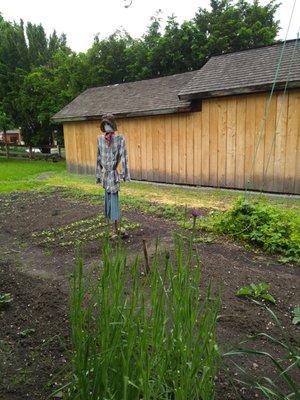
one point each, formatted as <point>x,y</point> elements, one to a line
<point>142,336</point>
<point>296,319</point>
<point>39,74</point>
<point>274,229</point>
<point>78,232</point>
<point>287,366</point>
<point>259,292</point>
<point>5,121</point>
<point>232,27</point>
<point>5,299</point>
<point>27,332</point>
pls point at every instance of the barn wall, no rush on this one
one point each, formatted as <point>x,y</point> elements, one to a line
<point>215,147</point>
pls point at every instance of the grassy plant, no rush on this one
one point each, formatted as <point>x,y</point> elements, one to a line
<point>141,336</point>
<point>5,299</point>
<point>287,367</point>
<point>296,318</point>
<point>26,332</point>
<point>259,292</point>
<point>273,229</point>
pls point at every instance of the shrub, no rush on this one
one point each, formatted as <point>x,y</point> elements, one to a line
<point>141,336</point>
<point>275,230</point>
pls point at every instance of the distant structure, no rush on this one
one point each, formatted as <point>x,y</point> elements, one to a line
<point>12,136</point>
<point>211,127</point>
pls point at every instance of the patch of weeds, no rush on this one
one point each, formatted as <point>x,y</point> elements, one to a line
<point>21,377</point>
<point>286,366</point>
<point>26,332</point>
<point>48,251</point>
<point>23,245</point>
<point>259,292</point>
<point>5,346</point>
<point>296,318</point>
<point>5,299</point>
<point>204,239</point>
<point>259,223</point>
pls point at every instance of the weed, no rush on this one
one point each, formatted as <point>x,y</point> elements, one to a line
<point>26,332</point>
<point>287,367</point>
<point>296,318</point>
<point>259,292</point>
<point>5,299</point>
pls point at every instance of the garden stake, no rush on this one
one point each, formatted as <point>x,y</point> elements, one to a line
<point>146,256</point>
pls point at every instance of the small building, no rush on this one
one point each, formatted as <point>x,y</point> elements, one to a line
<point>11,136</point>
<point>225,125</point>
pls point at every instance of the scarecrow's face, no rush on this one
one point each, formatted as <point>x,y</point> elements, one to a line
<point>108,127</point>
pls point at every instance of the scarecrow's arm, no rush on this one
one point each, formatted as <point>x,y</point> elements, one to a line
<point>98,163</point>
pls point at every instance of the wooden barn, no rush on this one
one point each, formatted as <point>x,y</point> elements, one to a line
<point>219,126</point>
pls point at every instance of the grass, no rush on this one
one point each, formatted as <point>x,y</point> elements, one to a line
<point>23,175</point>
<point>173,203</point>
<point>139,336</point>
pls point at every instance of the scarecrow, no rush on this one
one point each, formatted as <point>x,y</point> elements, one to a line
<point>111,150</point>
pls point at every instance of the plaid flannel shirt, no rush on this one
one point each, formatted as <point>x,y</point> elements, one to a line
<point>108,158</point>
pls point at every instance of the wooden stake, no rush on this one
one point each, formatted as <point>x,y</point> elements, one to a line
<point>146,256</point>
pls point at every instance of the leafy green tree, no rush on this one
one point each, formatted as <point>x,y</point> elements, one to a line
<point>108,59</point>
<point>5,121</point>
<point>40,74</point>
<point>232,27</point>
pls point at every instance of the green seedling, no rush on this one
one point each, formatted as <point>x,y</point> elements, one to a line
<point>5,299</point>
<point>26,332</point>
<point>296,319</point>
<point>258,292</point>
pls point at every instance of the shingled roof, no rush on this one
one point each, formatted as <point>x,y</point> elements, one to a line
<point>245,71</point>
<point>146,97</point>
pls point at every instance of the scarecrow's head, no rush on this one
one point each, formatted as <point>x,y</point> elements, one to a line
<point>110,120</point>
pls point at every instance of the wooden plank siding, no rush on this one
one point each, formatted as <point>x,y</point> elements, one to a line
<point>228,144</point>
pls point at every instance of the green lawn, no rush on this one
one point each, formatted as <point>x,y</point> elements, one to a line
<point>41,175</point>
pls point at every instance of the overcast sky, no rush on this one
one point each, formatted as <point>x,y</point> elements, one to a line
<point>81,20</point>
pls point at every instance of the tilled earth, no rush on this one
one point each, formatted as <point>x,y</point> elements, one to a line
<point>35,265</point>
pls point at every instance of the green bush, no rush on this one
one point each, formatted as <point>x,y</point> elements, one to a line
<point>276,230</point>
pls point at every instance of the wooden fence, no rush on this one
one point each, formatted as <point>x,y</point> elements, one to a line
<point>227,144</point>
<point>12,150</point>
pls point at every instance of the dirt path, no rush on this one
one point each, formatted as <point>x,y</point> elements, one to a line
<point>34,330</point>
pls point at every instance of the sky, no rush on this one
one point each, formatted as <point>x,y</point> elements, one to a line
<point>82,20</point>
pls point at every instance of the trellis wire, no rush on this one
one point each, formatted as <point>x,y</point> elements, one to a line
<point>267,106</point>
<point>280,111</point>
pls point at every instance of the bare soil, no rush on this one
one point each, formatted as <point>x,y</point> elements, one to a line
<point>34,328</point>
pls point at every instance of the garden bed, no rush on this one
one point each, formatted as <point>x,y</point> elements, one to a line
<point>36,273</point>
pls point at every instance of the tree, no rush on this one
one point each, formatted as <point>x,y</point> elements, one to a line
<point>5,121</point>
<point>40,74</point>
<point>233,27</point>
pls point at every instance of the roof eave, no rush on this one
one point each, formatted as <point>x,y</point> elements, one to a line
<point>239,90</point>
<point>172,110</point>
